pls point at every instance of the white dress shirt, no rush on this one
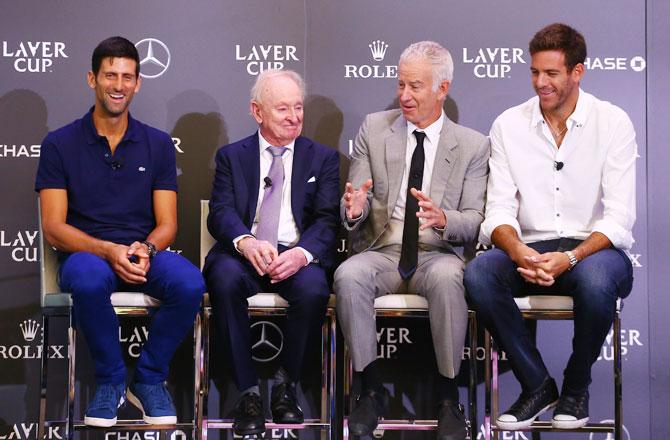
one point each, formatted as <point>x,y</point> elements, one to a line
<point>593,191</point>
<point>288,233</point>
<point>430,144</point>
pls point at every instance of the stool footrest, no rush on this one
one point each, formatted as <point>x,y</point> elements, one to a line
<point>546,426</point>
<point>307,424</point>
<point>122,425</point>
<point>409,425</point>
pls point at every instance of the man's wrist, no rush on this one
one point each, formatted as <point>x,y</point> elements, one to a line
<point>572,259</point>
<point>151,248</point>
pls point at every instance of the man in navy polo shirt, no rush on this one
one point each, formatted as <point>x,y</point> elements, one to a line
<point>108,195</point>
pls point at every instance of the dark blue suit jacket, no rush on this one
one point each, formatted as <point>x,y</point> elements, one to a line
<point>314,195</point>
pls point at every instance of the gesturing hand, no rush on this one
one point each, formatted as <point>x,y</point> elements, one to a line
<point>430,215</point>
<point>354,199</point>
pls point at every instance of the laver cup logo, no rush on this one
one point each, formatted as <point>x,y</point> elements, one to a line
<point>260,57</point>
<point>23,245</point>
<point>33,56</point>
<point>493,62</point>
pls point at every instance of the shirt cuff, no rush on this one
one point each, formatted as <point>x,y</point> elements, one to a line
<point>620,237</point>
<point>308,255</point>
<point>238,239</point>
<point>491,223</point>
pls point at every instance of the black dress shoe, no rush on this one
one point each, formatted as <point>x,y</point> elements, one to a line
<point>528,406</point>
<point>284,404</point>
<point>451,423</point>
<point>370,407</point>
<point>249,418</point>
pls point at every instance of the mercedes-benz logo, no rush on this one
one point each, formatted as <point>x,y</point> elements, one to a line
<point>156,57</point>
<point>270,341</point>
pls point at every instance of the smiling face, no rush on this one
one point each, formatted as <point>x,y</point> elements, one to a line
<point>280,111</point>
<point>115,85</point>
<point>420,103</point>
<point>557,88</point>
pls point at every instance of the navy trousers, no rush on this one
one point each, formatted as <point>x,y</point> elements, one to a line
<point>231,279</point>
<point>595,283</point>
<point>172,279</point>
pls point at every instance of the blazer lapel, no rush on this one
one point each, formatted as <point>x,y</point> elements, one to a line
<point>396,147</point>
<point>445,159</point>
<point>251,163</point>
<point>303,153</point>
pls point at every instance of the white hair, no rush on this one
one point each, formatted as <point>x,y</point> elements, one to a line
<point>266,75</point>
<point>436,55</point>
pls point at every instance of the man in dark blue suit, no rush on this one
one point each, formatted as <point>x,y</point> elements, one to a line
<point>274,214</point>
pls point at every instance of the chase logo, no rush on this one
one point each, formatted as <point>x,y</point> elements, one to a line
<point>144,435</point>
<point>21,150</point>
<point>493,62</point>
<point>33,56</point>
<point>636,63</point>
<point>378,53</point>
<point>262,57</point>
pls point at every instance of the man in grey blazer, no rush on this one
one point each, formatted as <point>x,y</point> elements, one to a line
<point>411,160</point>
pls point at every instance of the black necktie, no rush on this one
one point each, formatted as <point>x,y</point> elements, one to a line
<point>410,231</point>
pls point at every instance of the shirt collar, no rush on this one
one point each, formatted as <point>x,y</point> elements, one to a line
<point>133,132</point>
<point>432,131</point>
<point>263,144</point>
<point>578,116</point>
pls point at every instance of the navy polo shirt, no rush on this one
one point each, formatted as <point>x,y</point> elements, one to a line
<point>110,197</point>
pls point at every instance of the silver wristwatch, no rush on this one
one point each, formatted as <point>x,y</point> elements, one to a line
<point>572,258</point>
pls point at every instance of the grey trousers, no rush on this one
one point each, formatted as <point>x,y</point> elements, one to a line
<point>438,278</point>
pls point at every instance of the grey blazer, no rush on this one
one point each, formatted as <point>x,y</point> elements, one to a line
<point>458,182</point>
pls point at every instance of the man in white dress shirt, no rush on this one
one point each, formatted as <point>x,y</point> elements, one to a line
<point>560,209</point>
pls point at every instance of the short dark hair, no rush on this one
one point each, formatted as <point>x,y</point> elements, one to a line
<point>115,47</point>
<point>559,36</point>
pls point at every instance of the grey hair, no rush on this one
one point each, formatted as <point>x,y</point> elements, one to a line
<point>436,55</point>
<point>266,75</point>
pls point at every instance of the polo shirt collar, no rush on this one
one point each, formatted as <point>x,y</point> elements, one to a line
<point>133,132</point>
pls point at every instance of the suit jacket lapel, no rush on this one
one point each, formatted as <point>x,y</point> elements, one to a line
<point>445,159</point>
<point>396,147</point>
<point>251,163</point>
<point>302,163</point>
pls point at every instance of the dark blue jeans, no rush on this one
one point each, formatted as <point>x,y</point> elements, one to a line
<point>595,283</point>
<point>172,279</point>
